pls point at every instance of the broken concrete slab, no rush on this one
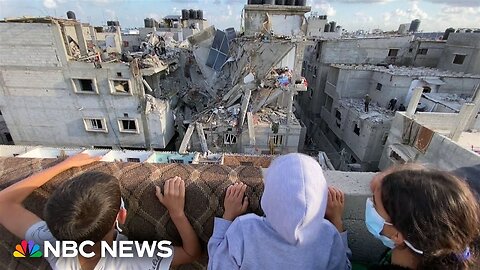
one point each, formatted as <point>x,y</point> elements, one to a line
<point>201,136</point>
<point>245,102</point>
<point>186,139</point>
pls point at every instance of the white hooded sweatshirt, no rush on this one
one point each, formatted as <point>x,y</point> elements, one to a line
<point>293,234</point>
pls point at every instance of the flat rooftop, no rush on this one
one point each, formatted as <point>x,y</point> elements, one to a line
<point>468,140</point>
<point>452,101</point>
<point>408,71</point>
<point>376,114</point>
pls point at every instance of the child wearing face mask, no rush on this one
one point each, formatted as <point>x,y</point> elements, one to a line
<point>429,218</point>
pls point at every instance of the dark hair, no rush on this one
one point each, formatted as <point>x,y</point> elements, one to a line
<point>437,213</point>
<point>84,207</point>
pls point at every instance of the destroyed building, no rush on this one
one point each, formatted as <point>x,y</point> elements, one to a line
<point>64,83</point>
<point>233,92</point>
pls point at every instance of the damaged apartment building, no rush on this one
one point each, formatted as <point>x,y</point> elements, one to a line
<point>66,83</point>
<point>63,83</point>
<point>234,92</point>
<point>342,71</point>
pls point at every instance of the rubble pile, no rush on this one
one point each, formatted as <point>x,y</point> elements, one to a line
<point>376,114</point>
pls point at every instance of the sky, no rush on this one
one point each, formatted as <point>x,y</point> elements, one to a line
<point>436,15</point>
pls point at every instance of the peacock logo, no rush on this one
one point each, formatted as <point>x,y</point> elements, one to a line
<point>27,250</point>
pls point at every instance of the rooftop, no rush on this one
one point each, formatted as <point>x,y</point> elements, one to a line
<point>376,113</point>
<point>452,101</point>
<point>408,71</point>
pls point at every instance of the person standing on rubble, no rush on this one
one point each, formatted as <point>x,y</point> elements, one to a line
<point>368,99</point>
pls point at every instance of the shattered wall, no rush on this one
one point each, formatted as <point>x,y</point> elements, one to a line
<point>41,102</point>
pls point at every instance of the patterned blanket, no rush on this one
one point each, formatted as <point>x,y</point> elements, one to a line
<point>147,218</point>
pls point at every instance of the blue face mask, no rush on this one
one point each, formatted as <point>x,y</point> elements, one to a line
<point>375,224</point>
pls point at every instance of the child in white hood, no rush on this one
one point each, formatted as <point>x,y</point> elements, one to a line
<point>294,233</point>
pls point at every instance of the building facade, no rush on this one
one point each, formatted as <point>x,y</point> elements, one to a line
<point>58,88</point>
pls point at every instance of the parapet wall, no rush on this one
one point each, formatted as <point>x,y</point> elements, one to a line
<point>205,189</point>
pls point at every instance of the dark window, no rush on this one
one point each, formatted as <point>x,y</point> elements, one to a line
<point>86,85</point>
<point>119,74</point>
<point>356,130</point>
<point>338,114</point>
<point>133,160</point>
<point>410,50</point>
<point>121,86</point>
<point>393,52</point>
<point>125,115</point>
<point>8,137</point>
<point>422,51</point>
<point>427,89</point>
<point>353,160</point>
<point>129,125</point>
<point>459,59</point>
<point>379,87</point>
<point>0,112</point>
<point>96,123</point>
<point>396,158</point>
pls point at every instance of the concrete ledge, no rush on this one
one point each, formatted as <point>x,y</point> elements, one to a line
<point>206,185</point>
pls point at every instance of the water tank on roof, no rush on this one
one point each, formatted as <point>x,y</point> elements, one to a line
<point>477,31</point>
<point>414,25</point>
<point>327,28</point>
<point>195,15</point>
<point>290,2</point>
<point>185,14</point>
<point>468,31</point>
<point>333,25</point>
<point>200,14</point>
<point>191,14</point>
<point>280,2</point>
<point>255,2</point>
<point>269,2</point>
<point>301,2</point>
<point>447,33</point>
<point>71,15</point>
<point>149,23</point>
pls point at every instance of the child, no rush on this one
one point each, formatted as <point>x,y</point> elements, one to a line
<point>89,207</point>
<point>429,218</point>
<point>294,233</point>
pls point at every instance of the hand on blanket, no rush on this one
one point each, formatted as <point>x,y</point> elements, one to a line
<point>235,201</point>
<point>173,197</point>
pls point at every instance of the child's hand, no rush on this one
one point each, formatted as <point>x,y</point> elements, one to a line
<point>335,206</point>
<point>173,197</point>
<point>235,201</point>
<point>79,160</point>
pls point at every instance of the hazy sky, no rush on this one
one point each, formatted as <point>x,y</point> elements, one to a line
<point>436,15</point>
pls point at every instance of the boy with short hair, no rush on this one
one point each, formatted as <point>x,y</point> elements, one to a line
<point>302,227</point>
<point>90,207</point>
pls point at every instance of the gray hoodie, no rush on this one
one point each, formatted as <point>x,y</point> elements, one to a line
<point>293,234</point>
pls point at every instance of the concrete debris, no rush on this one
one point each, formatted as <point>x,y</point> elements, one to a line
<point>376,112</point>
<point>217,103</point>
<point>408,71</point>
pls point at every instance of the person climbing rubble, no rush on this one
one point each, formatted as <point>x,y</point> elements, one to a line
<point>391,104</point>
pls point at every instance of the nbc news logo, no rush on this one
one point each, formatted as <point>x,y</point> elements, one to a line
<point>27,250</point>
